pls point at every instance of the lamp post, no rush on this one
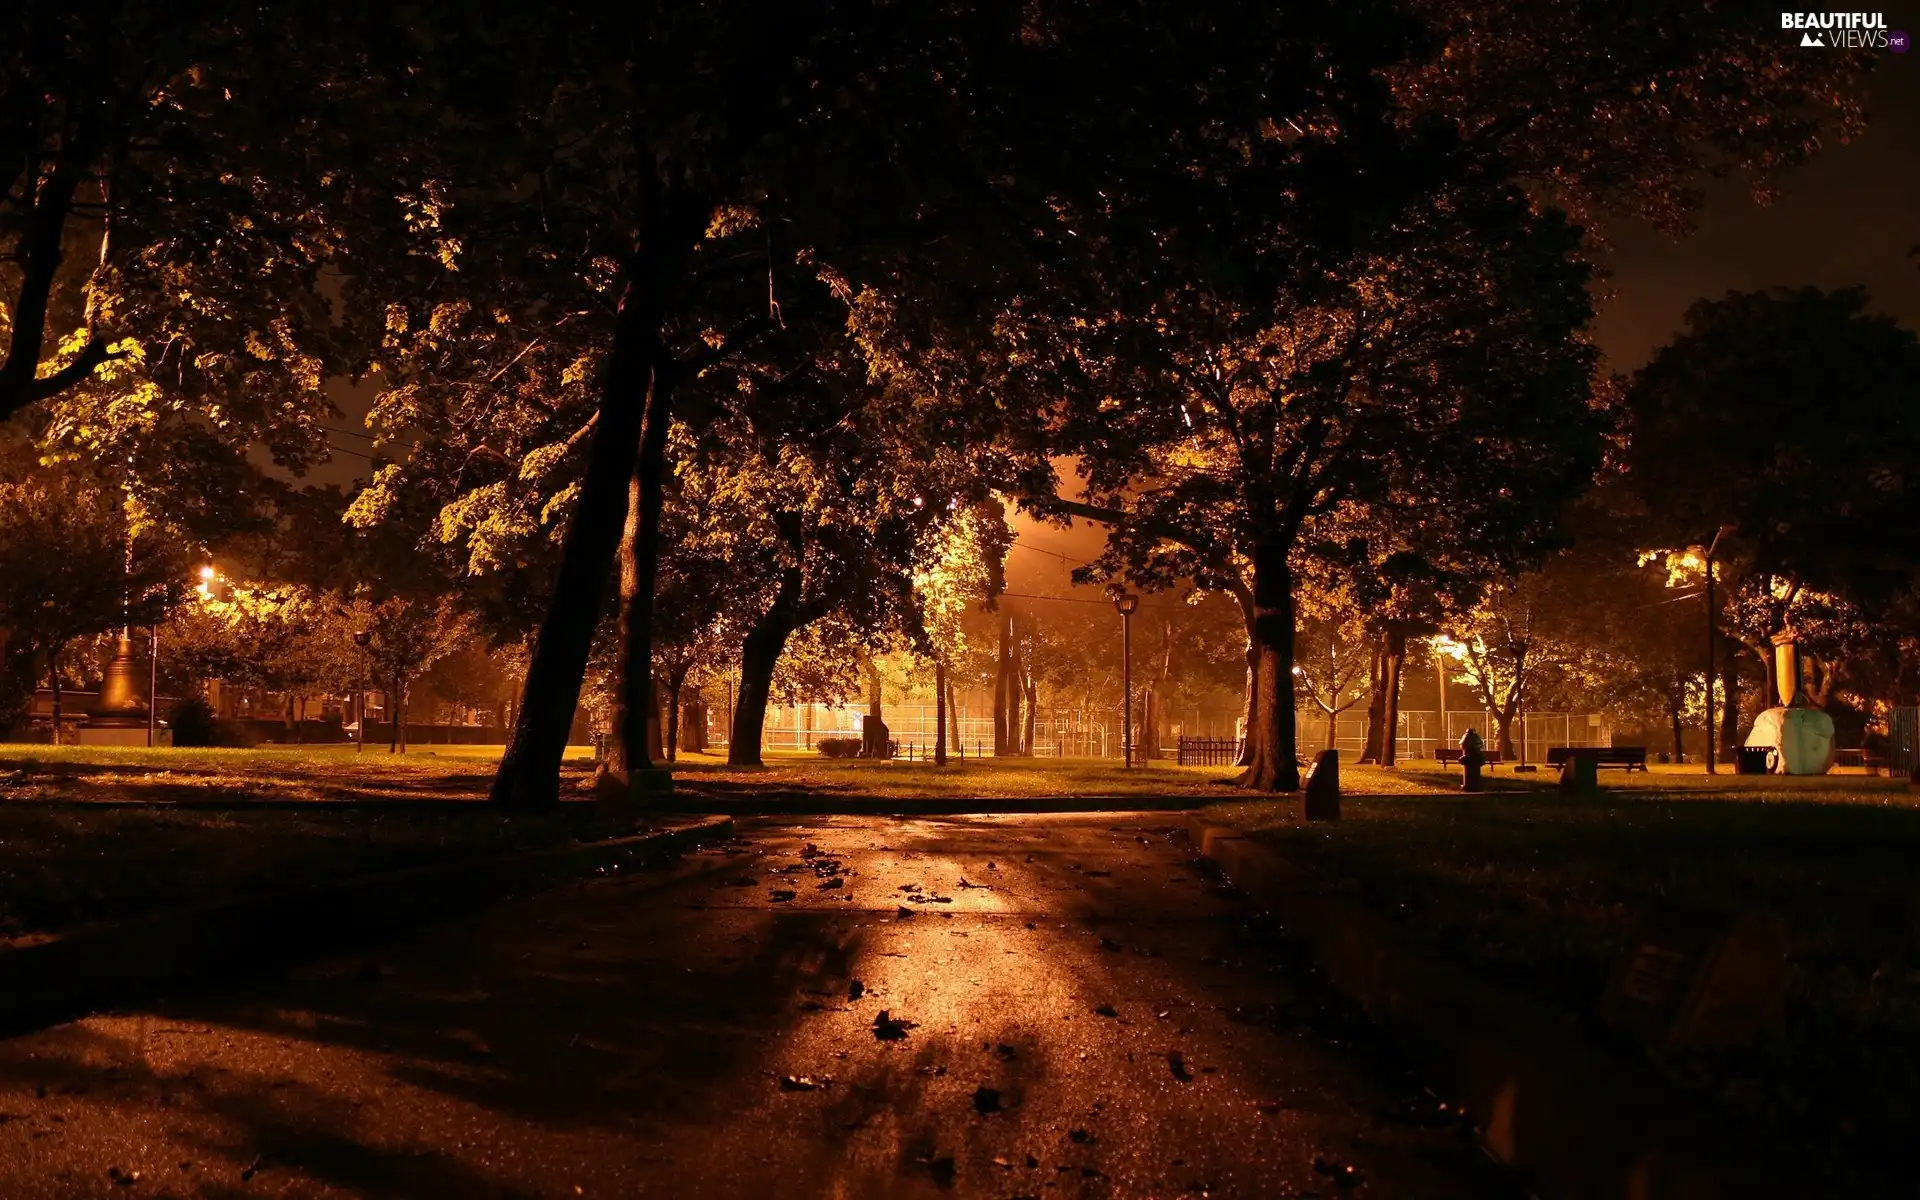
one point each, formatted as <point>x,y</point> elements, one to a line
<point>1124,604</point>
<point>153,681</point>
<point>1712,733</point>
<point>362,638</point>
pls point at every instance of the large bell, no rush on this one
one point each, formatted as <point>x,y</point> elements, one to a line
<point>122,699</point>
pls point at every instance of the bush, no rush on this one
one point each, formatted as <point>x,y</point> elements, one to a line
<point>192,722</point>
<point>838,747</point>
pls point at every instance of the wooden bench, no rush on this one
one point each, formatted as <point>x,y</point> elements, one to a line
<point>1629,757</point>
<point>1859,756</point>
<point>1451,754</point>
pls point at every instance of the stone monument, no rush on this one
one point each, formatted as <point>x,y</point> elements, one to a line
<point>119,716</point>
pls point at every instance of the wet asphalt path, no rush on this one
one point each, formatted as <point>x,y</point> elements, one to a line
<point>833,1007</point>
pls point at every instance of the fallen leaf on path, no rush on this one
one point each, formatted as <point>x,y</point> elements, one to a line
<point>1108,944</point>
<point>1178,1066</point>
<point>985,887</point>
<point>1007,1053</point>
<point>856,989</point>
<point>1081,1136</point>
<point>835,882</point>
<point>902,913</point>
<point>1344,1175</point>
<point>909,887</point>
<point>798,1083</point>
<point>779,895</point>
<point>886,1029</point>
<point>1107,1010</point>
<point>986,1101</point>
<point>809,851</point>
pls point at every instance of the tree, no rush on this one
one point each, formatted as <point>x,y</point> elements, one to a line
<point>73,563</point>
<point>965,572</point>
<point>1331,664</point>
<point>653,141</point>
<point>1785,416</point>
<point>1708,91</point>
<point>170,185</point>
<point>1520,644</point>
<point>410,635</point>
<point>1436,358</point>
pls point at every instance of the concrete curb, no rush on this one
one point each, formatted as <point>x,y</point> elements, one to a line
<point>687,800</point>
<point>106,965</point>
<point>1576,1122</point>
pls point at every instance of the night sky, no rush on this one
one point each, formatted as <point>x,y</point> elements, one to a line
<point>1847,218</point>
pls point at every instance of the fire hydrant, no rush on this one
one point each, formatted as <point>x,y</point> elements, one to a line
<point>1473,756</point>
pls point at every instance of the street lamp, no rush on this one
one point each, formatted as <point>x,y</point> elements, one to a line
<point>362,638</point>
<point>1712,733</point>
<point>1124,604</point>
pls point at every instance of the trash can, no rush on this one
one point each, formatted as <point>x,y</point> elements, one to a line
<point>1752,760</point>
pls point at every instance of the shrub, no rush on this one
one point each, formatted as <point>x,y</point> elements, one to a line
<point>838,747</point>
<point>192,722</point>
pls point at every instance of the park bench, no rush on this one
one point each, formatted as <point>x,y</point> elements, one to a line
<point>1859,756</point>
<point>1629,757</point>
<point>1451,754</point>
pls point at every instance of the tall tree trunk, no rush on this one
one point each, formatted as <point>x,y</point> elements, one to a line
<point>1275,766</point>
<point>639,566</point>
<point>1376,702</point>
<point>1333,729</point>
<point>1001,682</point>
<point>759,654</point>
<point>1393,664</point>
<point>1675,702</point>
<point>1154,717</point>
<point>1729,708</point>
<point>398,702</point>
<point>674,682</point>
<point>1503,721</point>
<point>53,671</point>
<point>939,713</point>
<point>873,736</point>
<point>1253,699</point>
<point>529,775</point>
<point>18,679</point>
<point>953,720</point>
<point>1028,689</point>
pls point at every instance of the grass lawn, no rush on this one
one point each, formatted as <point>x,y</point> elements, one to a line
<point>115,773</point>
<point>1545,893</point>
<point>77,845</point>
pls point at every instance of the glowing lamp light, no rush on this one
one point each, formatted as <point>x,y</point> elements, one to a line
<point>206,573</point>
<point>1126,603</point>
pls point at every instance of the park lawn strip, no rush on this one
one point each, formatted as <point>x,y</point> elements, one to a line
<point>815,774</point>
<point>1543,894</point>
<point>277,773</point>
<point>67,866</point>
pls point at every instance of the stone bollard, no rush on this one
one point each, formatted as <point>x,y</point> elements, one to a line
<point>1580,775</point>
<point>1323,787</point>
<point>1473,757</point>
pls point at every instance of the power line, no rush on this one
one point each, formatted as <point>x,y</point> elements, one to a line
<point>1054,553</point>
<point>1079,600</point>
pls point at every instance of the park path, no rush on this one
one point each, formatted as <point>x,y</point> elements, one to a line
<point>836,1007</point>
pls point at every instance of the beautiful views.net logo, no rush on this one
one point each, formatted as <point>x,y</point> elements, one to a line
<point>1845,31</point>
